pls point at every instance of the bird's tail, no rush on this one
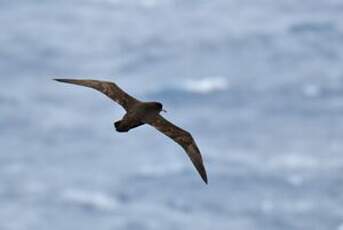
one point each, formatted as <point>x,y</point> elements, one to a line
<point>119,127</point>
<point>117,124</point>
<point>126,125</point>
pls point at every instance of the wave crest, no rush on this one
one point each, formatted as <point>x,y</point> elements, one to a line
<point>207,85</point>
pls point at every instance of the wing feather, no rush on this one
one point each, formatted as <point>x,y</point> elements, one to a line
<point>184,139</point>
<point>110,89</point>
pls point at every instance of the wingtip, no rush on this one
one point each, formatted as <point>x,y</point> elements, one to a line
<point>205,179</point>
<point>72,81</point>
<point>202,172</point>
<point>59,80</point>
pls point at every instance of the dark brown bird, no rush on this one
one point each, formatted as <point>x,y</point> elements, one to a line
<point>139,113</point>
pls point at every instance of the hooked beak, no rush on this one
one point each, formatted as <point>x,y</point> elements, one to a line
<point>163,110</point>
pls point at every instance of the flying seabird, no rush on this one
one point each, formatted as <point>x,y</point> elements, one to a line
<point>139,113</point>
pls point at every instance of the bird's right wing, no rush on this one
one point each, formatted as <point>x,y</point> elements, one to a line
<point>110,89</point>
<point>184,139</point>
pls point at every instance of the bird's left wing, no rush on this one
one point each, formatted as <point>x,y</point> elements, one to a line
<point>184,139</point>
<point>110,89</point>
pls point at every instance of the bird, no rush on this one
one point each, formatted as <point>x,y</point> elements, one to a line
<point>139,113</point>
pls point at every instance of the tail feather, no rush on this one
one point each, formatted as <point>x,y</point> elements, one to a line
<point>124,126</point>
<point>117,124</point>
<point>119,127</point>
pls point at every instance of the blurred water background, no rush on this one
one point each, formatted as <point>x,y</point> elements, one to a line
<point>259,83</point>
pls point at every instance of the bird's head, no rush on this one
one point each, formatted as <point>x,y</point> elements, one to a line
<point>159,107</point>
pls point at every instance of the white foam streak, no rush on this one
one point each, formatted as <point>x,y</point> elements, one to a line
<point>207,85</point>
<point>311,90</point>
<point>159,170</point>
<point>96,200</point>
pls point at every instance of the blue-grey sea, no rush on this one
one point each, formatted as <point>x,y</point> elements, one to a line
<point>259,84</point>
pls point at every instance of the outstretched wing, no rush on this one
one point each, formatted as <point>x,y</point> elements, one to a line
<point>108,88</point>
<point>184,139</point>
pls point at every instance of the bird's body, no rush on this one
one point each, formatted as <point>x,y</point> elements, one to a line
<point>139,113</point>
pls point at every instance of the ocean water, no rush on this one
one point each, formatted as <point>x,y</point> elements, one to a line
<point>258,83</point>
